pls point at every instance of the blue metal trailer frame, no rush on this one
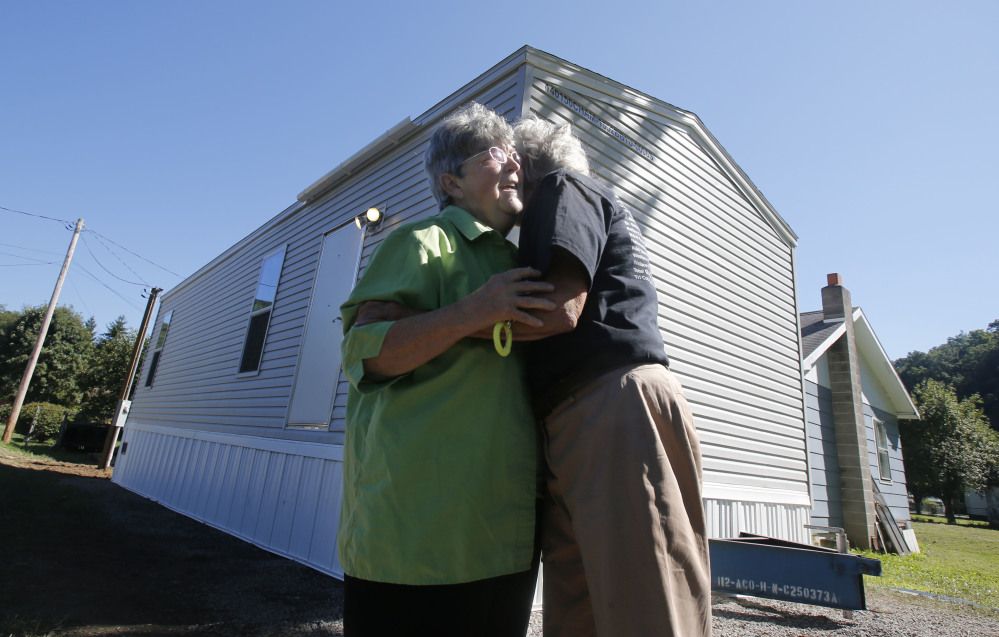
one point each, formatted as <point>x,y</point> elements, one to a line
<point>777,569</point>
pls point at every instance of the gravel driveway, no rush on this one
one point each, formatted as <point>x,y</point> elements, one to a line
<point>889,614</point>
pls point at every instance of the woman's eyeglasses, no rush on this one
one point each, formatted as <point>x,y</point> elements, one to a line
<point>498,154</point>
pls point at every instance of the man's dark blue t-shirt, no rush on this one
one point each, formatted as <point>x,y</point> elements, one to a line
<point>619,323</point>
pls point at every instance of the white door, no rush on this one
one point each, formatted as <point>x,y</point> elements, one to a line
<point>318,369</point>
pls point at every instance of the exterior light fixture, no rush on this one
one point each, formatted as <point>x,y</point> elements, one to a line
<point>371,217</point>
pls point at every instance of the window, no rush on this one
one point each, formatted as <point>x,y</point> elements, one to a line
<point>881,438</point>
<point>158,347</point>
<point>260,313</point>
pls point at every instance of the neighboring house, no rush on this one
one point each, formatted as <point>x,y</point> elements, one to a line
<point>238,418</point>
<point>854,402</point>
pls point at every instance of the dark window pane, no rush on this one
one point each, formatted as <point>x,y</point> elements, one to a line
<point>152,368</point>
<point>254,345</point>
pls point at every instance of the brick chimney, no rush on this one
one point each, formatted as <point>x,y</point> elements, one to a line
<point>835,300</point>
<point>856,489</point>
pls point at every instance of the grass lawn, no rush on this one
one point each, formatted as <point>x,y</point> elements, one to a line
<point>45,450</point>
<point>960,560</point>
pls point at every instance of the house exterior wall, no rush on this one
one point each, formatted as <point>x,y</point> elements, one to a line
<point>214,444</point>
<point>823,457</point>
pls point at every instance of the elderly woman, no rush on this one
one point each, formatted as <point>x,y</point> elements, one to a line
<point>437,529</point>
<point>623,534</point>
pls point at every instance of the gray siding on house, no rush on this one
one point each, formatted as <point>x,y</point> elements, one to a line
<point>823,457</point>
<point>724,277</point>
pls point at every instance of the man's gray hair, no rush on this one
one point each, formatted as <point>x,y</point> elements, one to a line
<point>545,147</point>
<point>472,129</point>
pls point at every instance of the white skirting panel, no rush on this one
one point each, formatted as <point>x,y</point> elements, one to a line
<point>281,495</point>
<point>285,496</point>
<point>728,518</point>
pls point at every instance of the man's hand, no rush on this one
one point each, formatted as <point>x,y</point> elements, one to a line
<point>421,336</point>
<point>505,293</point>
<point>507,296</point>
<point>571,284</point>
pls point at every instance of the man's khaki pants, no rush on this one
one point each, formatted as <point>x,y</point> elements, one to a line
<point>624,543</point>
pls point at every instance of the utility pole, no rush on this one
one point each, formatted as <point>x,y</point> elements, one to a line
<point>22,390</point>
<point>117,424</point>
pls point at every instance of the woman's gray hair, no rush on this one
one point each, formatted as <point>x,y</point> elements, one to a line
<point>545,147</point>
<point>470,130</point>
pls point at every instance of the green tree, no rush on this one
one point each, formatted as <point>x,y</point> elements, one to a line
<point>950,449</point>
<point>6,316</point>
<point>107,368</point>
<point>63,358</point>
<point>969,362</point>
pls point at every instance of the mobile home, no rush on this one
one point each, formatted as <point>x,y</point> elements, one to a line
<point>238,418</point>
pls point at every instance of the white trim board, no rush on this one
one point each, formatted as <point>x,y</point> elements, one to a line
<point>290,447</point>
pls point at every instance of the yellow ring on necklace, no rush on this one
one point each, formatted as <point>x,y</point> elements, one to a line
<point>503,349</point>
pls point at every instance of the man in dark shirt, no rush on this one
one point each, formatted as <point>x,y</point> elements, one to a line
<point>623,534</point>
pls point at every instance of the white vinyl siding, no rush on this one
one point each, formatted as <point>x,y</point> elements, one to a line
<point>283,496</point>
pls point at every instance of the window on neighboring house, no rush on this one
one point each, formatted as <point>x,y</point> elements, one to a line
<point>158,348</point>
<point>260,313</point>
<point>881,438</point>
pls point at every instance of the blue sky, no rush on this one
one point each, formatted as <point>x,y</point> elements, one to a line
<point>176,128</point>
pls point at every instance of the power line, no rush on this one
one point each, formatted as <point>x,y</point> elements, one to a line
<point>11,245</point>
<point>98,262</point>
<point>100,236</point>
<point>110,289</point>
<point>82,298</point>
<point>22,265</point>
<point>69,225</point>
<point>21,256</point>
<point>21,212</point>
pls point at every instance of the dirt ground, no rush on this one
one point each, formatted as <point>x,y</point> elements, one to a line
<point>81,556</point>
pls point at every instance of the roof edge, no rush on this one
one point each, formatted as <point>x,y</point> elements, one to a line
<point>389,139</point>
<point>884,369</point>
